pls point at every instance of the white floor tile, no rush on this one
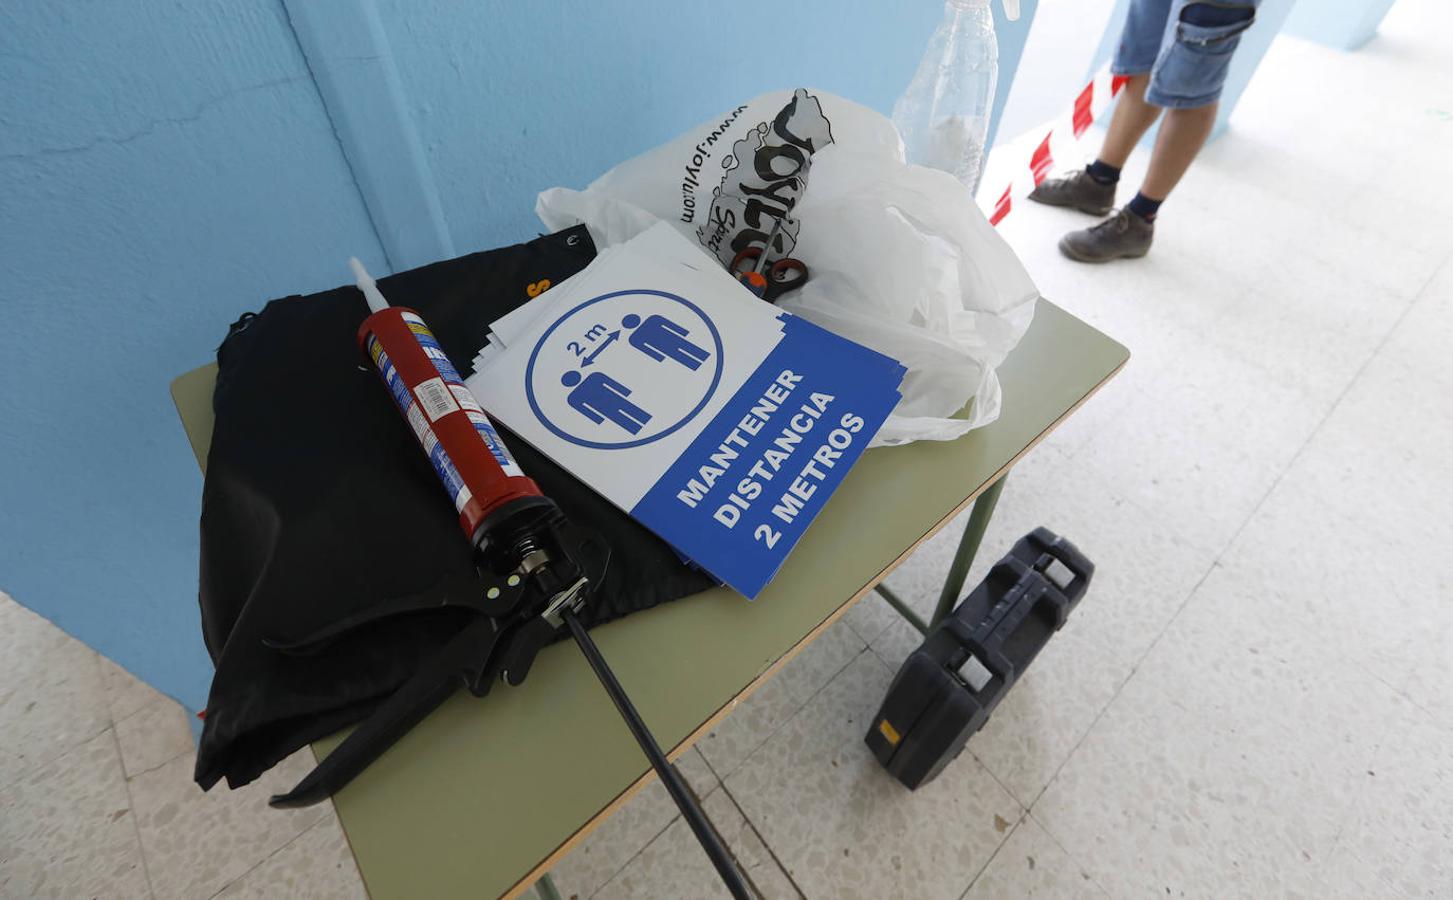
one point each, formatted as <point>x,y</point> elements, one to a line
<point>1036,728</point>
<point>1303,585</point>
<point>1097,414</point>
<point>674,865</point>
<point>842,827</point>
<point>1414,211</point>
<point>1396,408</point>
<point>316,865</point>
<point>1387,261</point>
<point>1033,864</point>
<point>51,697</point>
<point>156,734</point>
<point>895,642</point>
<point>1381,456</point>
<point>1224,394</point>
<point>615,843</point>
<point>1347,876</point>
<point>1255,234</point>
<point>870,616</point>
<point>754,719</point>
<point>1430,685</point>
<point>698,774</point>
<point>125,693</point>
<point>197,843</point>
<point>1292,171</point>
<point>1310,328</point>
<point>67,828</point>
<point>608,849</point>
<point>1423,340</point>
<point>1198,483</point>
<point>1214,782</point>
<point>1402,827</point>
<point>1246,711</point>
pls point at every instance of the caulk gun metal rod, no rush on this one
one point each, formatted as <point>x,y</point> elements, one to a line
<point>711,842</point>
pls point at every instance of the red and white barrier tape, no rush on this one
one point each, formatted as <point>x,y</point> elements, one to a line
<point>1061,141</point>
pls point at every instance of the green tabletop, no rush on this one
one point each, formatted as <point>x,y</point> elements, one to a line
<point>485,794</point>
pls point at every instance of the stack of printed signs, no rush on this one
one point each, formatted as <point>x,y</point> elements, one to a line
<point>716,420</point>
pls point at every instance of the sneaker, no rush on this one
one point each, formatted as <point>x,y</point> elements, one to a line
<point>1122,236</point>
<point>1076,190</point>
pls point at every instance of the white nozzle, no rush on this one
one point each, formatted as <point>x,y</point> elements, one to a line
<point>1011,10</point>
<point>366,284</point>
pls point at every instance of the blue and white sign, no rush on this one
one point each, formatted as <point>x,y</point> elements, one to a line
<point>594,376</point>
<point>717,421</point>
<point>742,494</point>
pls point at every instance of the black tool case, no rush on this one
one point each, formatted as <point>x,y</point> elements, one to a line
<point>947,688</point>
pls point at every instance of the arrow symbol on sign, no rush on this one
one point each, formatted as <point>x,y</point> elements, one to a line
<point>590,360</point>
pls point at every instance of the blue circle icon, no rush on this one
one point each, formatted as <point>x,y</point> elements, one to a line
<point>624,369</point>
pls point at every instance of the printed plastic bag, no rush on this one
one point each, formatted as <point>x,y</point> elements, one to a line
<point>901,258</point>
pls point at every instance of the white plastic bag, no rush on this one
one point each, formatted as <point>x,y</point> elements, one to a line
<point>901,258</point>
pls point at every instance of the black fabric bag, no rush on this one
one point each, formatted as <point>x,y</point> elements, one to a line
<point>318,506</point>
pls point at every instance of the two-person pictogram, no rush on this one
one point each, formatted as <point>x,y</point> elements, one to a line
<point>599,397</point>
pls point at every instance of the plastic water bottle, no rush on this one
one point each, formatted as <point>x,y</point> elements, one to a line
<point>944,115</point>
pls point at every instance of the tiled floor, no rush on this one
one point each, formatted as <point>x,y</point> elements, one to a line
<point>1256,698</point>
<point>97,798</point>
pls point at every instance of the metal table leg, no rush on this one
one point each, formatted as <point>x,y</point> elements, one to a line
<point>902,608</point>
<point>958,570</point>
<point>963,560</point>
<point>545,888</point>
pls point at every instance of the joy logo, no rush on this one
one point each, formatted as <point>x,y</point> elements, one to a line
<point>765,176</point>
<point>624,369</point>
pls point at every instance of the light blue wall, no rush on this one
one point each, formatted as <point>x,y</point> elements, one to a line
<point>1011,37</point>
<point>1255,41</point>
<point>1343,24</point>
<point>351,59</point>
<point>166,166</point>
<point>511,99</point>
<point>163,167</point>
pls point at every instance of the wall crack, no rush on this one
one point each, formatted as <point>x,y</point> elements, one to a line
<point>151,126</point>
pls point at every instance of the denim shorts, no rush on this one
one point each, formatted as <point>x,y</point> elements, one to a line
<point>1185,45</point>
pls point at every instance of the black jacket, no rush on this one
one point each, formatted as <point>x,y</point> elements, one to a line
<point>318,504</point>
